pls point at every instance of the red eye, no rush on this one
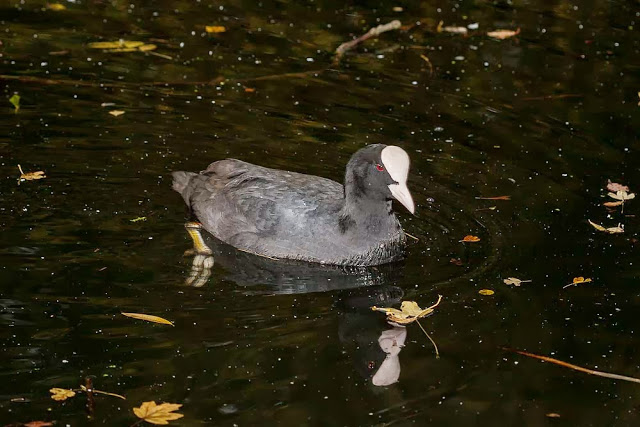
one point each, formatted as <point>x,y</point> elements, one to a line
<point>379,167</point>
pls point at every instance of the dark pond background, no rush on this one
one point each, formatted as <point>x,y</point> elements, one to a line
<point>545,117</point>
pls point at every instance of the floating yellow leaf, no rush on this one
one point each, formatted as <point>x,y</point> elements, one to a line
<point>470,239</point>
<point>212,29</point>
<point>576,281</point>
<point>30,176</point>
<point>140,218</point>
<point>15,101</point>
<point>514,281</point>
<point>116,113</point>
<point>61,394</point>
<point>56,6</point>
<point>486,292</point>
<point>610,230</point>
<point>408,313</point>
<point>118,44</point>
<point>503,34</point>
<point>148,318</point>
<point>158,414</point>
<point>147,47</point>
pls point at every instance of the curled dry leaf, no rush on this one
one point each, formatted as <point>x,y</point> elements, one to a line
<point>30,176</point>
<point>213,29</point>
<point>148,318</point>
<point>409,312</point>
<point>61,394</point>
<point>576,281</point>
<point>116,113</point>
<point>469,238</point>
<point>615,187</point>
<point>486,292</point>
<point>503,34</point>
<point>514,281</point>
<point>158,414</point>
<point>610,230</point>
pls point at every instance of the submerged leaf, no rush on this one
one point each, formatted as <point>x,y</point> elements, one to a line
<point>15,101</point>
<point>148,318</point>
<point>61,394</point>
<point>56,6</point>
<point>615,187</point>
<point>158,414</point>
<point>409,312</point>
<point>503,34</point>
<point>610,230</point>
<point>212,29</point>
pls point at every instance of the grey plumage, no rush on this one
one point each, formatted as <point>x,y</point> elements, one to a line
<point>296,216</point>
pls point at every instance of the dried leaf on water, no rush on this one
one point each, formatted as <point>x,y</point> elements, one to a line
<point>148,318</point>
<point>615,187</point>
<point>409,312</point>
<point>15,101</point>
<point>610,230</point>
<point>552,415</point>
<point>503,34</point>
<point>470,239</point>
<point>213,29</point>
<point>622,195</point>
<point>451,29</point>
<point>30,176</point>
<point>116,113</point>
<point>37,424</point>
<point>486,292</point>
<point>514,281</point>
<point>612,204</point>
<point>576,281</point>
<point>61,394</point>
<point>140,218</point>
<point>158,414</point>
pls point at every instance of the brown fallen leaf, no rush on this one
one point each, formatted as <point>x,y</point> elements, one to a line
<point>615,187</point>
<point>213,29</point>
<point>455,261</point>
<point>486,292</point>
<point>469,238</point>
<point>612,204</point>
<point>552,415</point>
<point>249,89</point>
<point>503,34</point>
<point>494,198</point>
<point>148,318</point>
<point>116,113</point>
<point>409,312</point>
<point>576,281</point>
<point>30,176</point>
<point>61,394</point>
<point>514,281</point>
<point>158,414</point>
<point>610,230</point>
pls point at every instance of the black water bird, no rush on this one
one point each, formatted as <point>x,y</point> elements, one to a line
<point>283,214</point>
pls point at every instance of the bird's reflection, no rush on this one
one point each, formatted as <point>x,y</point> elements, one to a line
<point>375,345</point>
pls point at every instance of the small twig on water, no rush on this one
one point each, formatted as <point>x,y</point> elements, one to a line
<point>413,237</point>
<point>374,32</point>
<point>575,367</point>
<point>88,388</point>
<point>430,339</point>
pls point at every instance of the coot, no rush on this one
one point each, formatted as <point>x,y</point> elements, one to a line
<point>291,215</point>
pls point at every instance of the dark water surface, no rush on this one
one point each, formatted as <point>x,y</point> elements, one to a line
<point>545,117</point>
